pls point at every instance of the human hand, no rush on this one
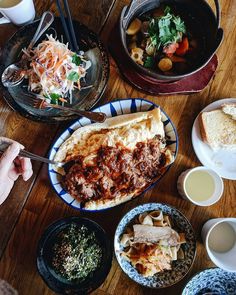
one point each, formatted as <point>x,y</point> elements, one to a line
<point>11,167</point>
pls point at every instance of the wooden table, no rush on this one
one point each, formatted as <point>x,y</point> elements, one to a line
<point>33,205</point>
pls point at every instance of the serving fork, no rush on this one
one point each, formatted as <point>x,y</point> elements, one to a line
<point>38,101</point>
<point>26,154</point>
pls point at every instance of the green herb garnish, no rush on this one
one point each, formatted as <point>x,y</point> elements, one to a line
<point>73,76</point>
<point>76,59</point>
<point>166,29</point>
<point>149,62</point>
<point>76,253</point>
<point>54,98</point>
<point>167,10</point>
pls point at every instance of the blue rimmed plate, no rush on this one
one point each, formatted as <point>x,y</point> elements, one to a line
<point>179,269</point>
<point>213,281</point>
<point>111,109</point>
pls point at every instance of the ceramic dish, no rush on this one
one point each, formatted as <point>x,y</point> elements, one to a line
<point>179,268</point>
<point>219,238</point>
<point>115,108</point>
<point>218,186</point>
<point>222,161</point>
<point>213,281</point>
<point>207,24</point>
<point>97,75</point>
<point>44,256</point>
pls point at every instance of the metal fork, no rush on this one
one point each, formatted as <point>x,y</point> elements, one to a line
<point>14,74</point>
<point>26,154</point>
<point>38,101</point>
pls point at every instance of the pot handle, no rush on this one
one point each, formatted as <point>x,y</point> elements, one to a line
<point>132,6</point>
<point>217,5</point>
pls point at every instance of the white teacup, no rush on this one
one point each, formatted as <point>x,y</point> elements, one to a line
<point>219,237</point>
<point>208,177</point>
<point>19,12</point>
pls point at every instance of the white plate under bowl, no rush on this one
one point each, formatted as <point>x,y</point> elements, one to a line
<point>222,161</point>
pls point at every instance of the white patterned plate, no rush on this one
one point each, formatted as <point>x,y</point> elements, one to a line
<point>112,109</point>
<point>213,281</point>
<point>179,269</point>
<point>222,161</point>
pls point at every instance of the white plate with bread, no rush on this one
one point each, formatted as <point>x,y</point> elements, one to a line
<point>214,137</point>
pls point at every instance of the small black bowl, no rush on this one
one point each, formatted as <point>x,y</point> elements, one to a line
<point>44,257</point>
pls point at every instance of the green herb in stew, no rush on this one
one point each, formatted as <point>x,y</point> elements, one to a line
<point>166,39</point>
<point>149,62</point>
<point>166,29</point>
<point>77,253</point>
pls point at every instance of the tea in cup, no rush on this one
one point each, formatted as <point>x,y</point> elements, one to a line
<point>219,237</point>
<point>201,186</point>
<point>19,12</point>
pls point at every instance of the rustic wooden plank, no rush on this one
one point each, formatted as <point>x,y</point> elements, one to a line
<point>91,13</point>
<point>36,137</point>
<point>43,206</point>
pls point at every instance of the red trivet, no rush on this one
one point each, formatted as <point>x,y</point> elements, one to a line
<point>191,84</point>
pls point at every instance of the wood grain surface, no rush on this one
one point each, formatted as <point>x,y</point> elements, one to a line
<point>32,206</point>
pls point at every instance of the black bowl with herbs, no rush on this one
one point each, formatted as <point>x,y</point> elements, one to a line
<point>74,256</point>
<point>170,40</point>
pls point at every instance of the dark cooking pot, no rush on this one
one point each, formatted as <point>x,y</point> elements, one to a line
<point>198,8</point>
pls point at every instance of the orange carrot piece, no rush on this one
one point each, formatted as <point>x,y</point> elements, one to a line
<point>62,99</point>
<point>183,47</point>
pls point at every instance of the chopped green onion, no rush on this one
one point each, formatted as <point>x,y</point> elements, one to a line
<point>73,76</point>
<point>76,59</point>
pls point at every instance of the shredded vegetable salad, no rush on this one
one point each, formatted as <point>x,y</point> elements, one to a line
<point>55,71</point>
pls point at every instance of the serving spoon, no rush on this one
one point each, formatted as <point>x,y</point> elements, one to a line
<point>14,74</point>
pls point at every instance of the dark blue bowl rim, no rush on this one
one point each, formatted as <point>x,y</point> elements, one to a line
<point>88,285</point>
<point>149,187</point>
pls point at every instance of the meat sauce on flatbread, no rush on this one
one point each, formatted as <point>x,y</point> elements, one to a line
<point>116,171</point>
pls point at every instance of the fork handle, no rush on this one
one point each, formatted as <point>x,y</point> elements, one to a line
<point>35,157</point>
<point>93,116</point>
<point>26,154</point>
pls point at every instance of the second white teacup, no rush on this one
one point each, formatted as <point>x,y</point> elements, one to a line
<point>200,185</point>
<point>219,237</point>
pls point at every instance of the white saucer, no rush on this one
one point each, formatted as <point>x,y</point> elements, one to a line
<point>222,161</point>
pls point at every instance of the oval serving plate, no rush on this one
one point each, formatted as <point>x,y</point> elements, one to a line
<point>180,268</point>
<point>211,281</point>
<point>97,75</point>
<point>112,109</point>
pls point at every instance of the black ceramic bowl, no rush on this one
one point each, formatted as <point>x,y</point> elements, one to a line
<point>97,75</point>
<point>45,252</point>
<point>199,10</point>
